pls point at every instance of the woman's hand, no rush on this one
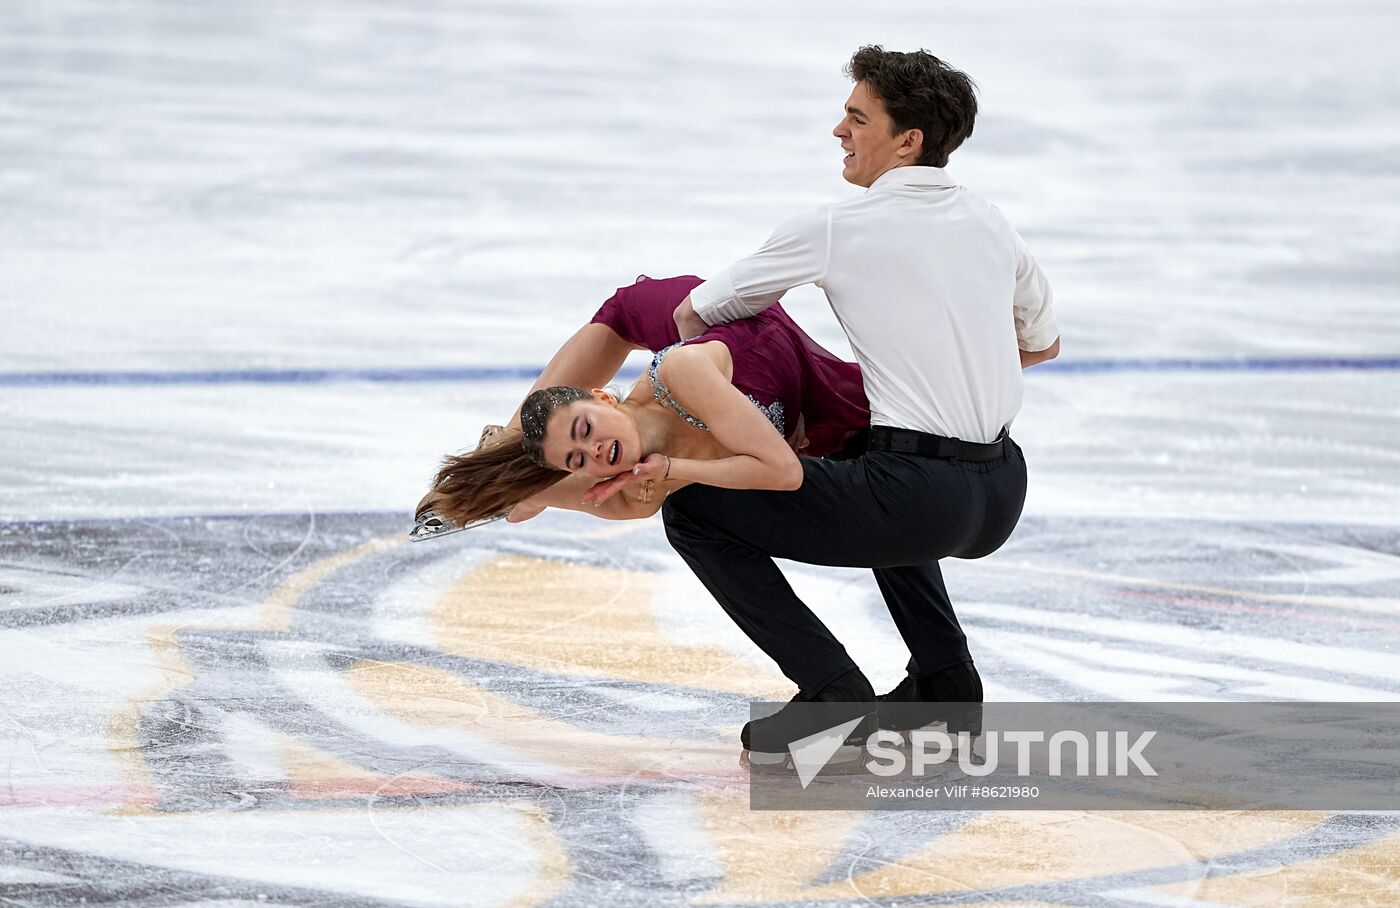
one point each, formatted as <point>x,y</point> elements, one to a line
<point>654,467</point>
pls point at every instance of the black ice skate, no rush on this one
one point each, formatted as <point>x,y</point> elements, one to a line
<point>952,696</point>
<point>846,704</point>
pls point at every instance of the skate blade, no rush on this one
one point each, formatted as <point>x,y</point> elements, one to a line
<point>976,744</point>
<point>848,758</point>
<point>431,526</point>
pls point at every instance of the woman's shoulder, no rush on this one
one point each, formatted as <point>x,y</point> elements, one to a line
<point>701,353</point>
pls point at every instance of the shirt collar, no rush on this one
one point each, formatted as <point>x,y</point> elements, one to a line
<point>913,177</point>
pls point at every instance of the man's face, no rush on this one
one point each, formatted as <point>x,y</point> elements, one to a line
<point>865,137</point>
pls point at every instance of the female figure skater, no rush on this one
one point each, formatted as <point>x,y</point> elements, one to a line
<point>728,408</point>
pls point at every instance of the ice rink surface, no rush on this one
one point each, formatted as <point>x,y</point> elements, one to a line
<point>262,264</point>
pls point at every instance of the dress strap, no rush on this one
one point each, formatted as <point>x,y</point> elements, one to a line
<point>660,394</point>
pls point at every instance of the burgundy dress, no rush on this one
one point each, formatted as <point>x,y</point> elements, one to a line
<point>790,377</point>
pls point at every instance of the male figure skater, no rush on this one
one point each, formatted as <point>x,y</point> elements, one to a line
<point>944,307</point>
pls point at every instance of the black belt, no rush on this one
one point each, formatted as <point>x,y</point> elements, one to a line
<point>907,441</point>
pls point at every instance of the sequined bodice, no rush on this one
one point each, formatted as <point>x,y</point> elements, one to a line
<point>773,411</point>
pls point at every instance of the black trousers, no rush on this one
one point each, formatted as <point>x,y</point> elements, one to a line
<point>896,513</point>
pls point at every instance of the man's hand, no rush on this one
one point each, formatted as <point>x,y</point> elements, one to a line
<point>798,440</point>
<point>690,324</point>
<point>654,467</point>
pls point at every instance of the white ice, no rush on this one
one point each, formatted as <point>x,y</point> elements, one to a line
<point>348,185</point>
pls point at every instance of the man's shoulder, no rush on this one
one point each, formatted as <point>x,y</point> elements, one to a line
<point>817,215</point>
<point>992,211</point>
<point>809,223</point>
<point>967,201</point>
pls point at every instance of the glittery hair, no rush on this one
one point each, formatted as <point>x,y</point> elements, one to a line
<point>535,413</point>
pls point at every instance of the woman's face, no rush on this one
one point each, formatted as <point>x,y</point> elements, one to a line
<point>593,437</point>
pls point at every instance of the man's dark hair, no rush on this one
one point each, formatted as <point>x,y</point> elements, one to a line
<point>921,92</point>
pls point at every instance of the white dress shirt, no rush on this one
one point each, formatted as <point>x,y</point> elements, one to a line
<point>933,287</point>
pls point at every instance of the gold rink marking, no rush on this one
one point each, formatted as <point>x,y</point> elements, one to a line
<point>1006,848</point>
<point>586,620</point>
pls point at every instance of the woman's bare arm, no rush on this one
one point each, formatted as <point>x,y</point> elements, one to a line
<point>568,494</point>
<point>698,377</point>
<point>589,359</point>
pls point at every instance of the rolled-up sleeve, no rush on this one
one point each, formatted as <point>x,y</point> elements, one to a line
<point>1033,303</point>
<point>797,253</point>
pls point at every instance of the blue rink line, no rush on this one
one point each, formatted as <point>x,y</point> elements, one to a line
<point>528,373</point>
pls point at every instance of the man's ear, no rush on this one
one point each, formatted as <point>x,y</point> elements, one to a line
<point>605,396</point>
<point>912,145</point>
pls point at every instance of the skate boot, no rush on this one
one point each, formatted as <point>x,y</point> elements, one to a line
<point>767,740</point>
<point>952,696</point>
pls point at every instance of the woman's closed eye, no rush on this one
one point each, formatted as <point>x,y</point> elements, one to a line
<point>587,431</point>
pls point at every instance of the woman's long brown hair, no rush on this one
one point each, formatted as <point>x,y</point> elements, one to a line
<point>491,480</point>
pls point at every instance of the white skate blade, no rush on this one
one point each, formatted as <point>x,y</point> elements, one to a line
<point>431,526</point>
<point>844,759</point>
